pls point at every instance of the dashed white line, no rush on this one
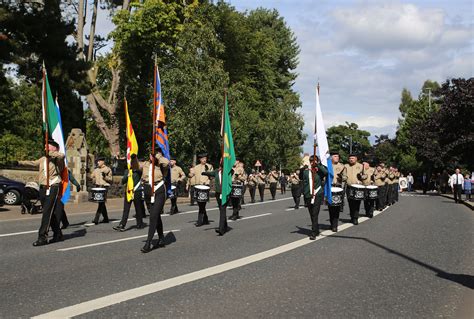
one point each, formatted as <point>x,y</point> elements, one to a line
<point>249,217</point>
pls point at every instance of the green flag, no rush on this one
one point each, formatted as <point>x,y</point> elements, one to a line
<point>228,155</point>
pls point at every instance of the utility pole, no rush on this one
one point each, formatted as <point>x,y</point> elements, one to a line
<point>350,144</point>
<point>429,99</point>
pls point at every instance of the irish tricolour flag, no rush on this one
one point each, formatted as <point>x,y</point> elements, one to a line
<point>52,117</point>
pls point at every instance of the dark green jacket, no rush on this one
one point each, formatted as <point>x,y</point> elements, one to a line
<point>137,176</point>
<point>318,180</point>
<point>217,181</point>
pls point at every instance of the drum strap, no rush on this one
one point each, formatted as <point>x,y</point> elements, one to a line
<point>315,193</point>
<point>137,186</point>
<point>157,186</point>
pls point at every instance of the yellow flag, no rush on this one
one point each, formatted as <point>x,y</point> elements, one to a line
<point>132,148</point>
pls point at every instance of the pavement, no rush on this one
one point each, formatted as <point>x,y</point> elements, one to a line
<point>413,260</point>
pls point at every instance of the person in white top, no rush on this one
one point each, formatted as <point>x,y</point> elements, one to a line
<point>457,185</point>
<point>410,181</point>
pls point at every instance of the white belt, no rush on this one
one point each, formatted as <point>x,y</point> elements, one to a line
<point>136,186</point>
<point>315,193</point>
<point>157,186</point>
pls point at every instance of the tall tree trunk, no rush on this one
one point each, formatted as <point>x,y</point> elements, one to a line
<point>92,31</point>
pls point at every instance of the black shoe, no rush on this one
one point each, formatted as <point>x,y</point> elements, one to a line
<point>141,226</point>
<point>370,216</point>
<point>104,221</point>
<point>57,238</point>
<point>198,224</point>
<point>160,243</point>
<point>355,221</point>
<point>95,222</point>
<point>334,229</point>
<point>219,232</point>
<point>232,217</point>
<point>119,228</point>
<point>40,242</point>
<point>146,249</point>
<point>313,236</point>
<point>65,225</point>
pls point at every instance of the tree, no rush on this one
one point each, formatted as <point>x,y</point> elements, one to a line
<point>339,140</point>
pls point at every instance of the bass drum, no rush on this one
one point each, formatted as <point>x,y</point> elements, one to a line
<point>356,192</point>
<point>337,194</point>
<point>201,193</point>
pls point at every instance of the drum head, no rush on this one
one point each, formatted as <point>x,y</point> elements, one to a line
<point>98,189</point>
<point>372,187</point>
<point>357,186</point>
<point>336,189</point>
<point>202,187</point>
<point>173,187</point>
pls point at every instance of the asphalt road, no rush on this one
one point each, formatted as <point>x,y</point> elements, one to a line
<point>413,260</point>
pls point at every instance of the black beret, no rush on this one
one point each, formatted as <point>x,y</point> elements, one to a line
<point>53,143</point>
<point>201,155</point>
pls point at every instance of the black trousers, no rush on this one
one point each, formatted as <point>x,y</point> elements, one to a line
<point>63,220</point>
<point>139,209</point>
<point>395,192</point>
<point>283,188</point>
<point>191,194</point>
<point>273,189</point>
<point>51,215</point>
<point>313,209</point>
<point>242,199</point>
<point>296,193</point>
<point>222,214</point>
<point>261,191</point>
<point>334,212</point>
<point>457,189</point>
<point>381,199</point>
<point>202,214</point>
<point>156,224</point>
<point>174,205</point>
<point>369,207</point>
<point>388,197</point>
<point>252,189</point>
<point>354,206</point>
<point>235,206</point>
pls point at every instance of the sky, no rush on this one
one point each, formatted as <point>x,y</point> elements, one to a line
<point>363,53</point>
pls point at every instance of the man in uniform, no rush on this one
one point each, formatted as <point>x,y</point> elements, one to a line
<point>368,203</point>
<point>177,177</point>
<point>252,185</point>
<point>242,202</point>
<point>379,180</point>
<point>273,179</point>
<point>355,175</point>
<point>396,184</point>
<point>389,182</point>
<point>238,177</point>
<point>217,176</point>
<point>314,192</point>
<point>49,195</point>
<point>160,170</point>
<point>340,177</point>
<point>101,177</point>
<point>261,178</point>
<point>192,181</point>
<point>203,166</point>
<point>296,188</point>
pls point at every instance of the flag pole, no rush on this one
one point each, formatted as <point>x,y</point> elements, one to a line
<point>222,125</point>
<point>315,143</point>
<point>46,134</point>
<point>153,134</point>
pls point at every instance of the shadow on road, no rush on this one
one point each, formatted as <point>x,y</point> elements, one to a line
<point>77,233</point>
<point>462,279</point>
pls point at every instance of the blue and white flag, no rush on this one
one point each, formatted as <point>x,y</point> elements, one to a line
<point>58,136</point>
<point>323,148</point>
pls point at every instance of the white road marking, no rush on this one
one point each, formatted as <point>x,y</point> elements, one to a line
<point>19,233</point>
<point>249,217</point>
<point>110,241</point>
<point>126,295</point>
<point>288,209</point>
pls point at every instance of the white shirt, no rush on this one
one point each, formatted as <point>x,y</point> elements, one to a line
<point>457,179</point>
<point>410,179</point>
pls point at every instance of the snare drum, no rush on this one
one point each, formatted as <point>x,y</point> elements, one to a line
<point>98,195</point>
<point>337,194</point>
<point>356,192</point>
<point>201,193</point>
<point>372,192</point>
<point>237,190</point>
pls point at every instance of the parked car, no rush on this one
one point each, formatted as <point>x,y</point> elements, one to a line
<point>13,190</point>
<point>2,196</point>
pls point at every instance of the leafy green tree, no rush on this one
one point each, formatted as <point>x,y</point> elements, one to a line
<point>339,138</point>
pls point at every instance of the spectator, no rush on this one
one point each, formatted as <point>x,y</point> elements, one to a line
<point>467,187</point>
<point>424,182</point>
<point>457,184</point>
<point>444,182</point>
<point>410,181</point>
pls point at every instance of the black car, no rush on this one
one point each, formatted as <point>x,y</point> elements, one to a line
<point>2,196</point>
<point>13,190</point>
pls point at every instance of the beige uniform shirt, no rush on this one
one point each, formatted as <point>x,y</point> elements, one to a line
<point>177,174</point>
<point>294,179</point>
<point>370,174</point>
<point>56,165</point>
<point>273,177</point>
<point>396,177</point>
<point>102,176</point>
<point>390,178</point>
<point>239,175</point>
<point>261,178</point>
<point>354,173</point>
<point>340,174</point>
<point>161,169</point>
<point>252,180</point>
<point>201,179</point>
<point>380,178</point>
